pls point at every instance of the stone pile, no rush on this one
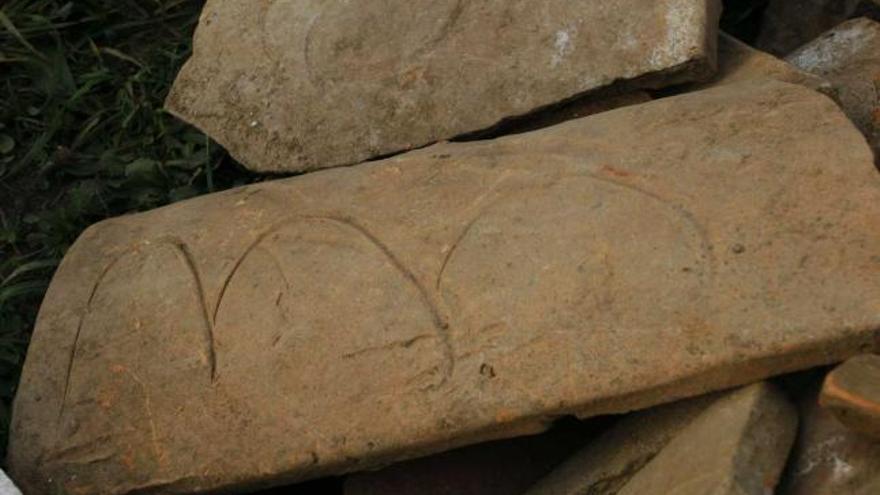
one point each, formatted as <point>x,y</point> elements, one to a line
<point>635,212</point>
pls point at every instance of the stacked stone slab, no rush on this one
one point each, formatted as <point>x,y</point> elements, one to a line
<point>300,85</point>
<point>353,317</point>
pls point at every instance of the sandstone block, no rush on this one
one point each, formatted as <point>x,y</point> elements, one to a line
<point>605,465</point>
<point>466,292</point>
<point>738,446</point>
<point>299,85</point>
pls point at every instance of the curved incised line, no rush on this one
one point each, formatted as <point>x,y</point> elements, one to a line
<point>454,247</point>
<point>189,260</point>
<point>705,244</point>
<point>439,321</point>
<point>183,250</point>
<point>88,309</point>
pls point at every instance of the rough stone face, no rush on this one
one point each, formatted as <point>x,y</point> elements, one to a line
<point>299,85</point>
<point>350,318</point>
<point>738,62</point>
<point>788,24</point>
<point>604,466</point>
<point>829,458</point>
<point>506,467</point>
<point>738,446</point>
<point>849,57</point>
<point>852,393</point>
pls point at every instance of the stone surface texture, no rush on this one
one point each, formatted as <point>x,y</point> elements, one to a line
<point>350,318</point>
<point>852,393</point>
<point>788,24</point>
<point>605,465</point>
<point>738,62</point>
<point>849,57</point>
<point>738,446</point>
<point>829,458</point>
<point>298,85</point>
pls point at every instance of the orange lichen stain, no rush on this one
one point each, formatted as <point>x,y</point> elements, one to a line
<point>118,368</point>
<point>105,399</point>
<point>505,416</point>
<point>608,169</point>
<point>128,460</point>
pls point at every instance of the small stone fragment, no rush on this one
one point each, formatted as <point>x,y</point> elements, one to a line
<point>738,446</point>
<point>788,24</point>
<point>739,62</point>
<point>299,85</point>
<point>347,319</point>
<point>829,458</point>
<point>849,57</point>
<point>608,463</point>
<point>852,393</point>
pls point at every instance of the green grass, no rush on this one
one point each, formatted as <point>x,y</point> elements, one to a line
<point>83,137</point>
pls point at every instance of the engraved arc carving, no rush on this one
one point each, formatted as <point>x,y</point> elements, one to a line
<point>584,255</point>
<point>138,336</point>
<point>371,48</point>
<point>318,303</point>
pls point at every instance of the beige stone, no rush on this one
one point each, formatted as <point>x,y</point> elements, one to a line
<point>350,318</point>
<point>738,62</point>
<point>829,458</point>
<point>849,57</point>
<point>852,393</point>
<point>738,446</point>
<point>296,85</point>
<point>604,466</point>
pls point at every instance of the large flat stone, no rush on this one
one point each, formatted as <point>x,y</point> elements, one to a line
<point>852,393</point>
<point>829,458</point>
<point>350,318</point>
<point>299,85</point>
<point>849,57</point>
<point>738,446</point>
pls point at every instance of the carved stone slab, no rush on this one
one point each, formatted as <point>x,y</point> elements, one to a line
<point>293,85</point>
<point>345,319</point>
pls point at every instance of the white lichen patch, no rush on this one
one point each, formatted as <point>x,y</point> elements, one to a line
<point>684,26</point>
<point>562,46</point>
<point>833,49</point>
